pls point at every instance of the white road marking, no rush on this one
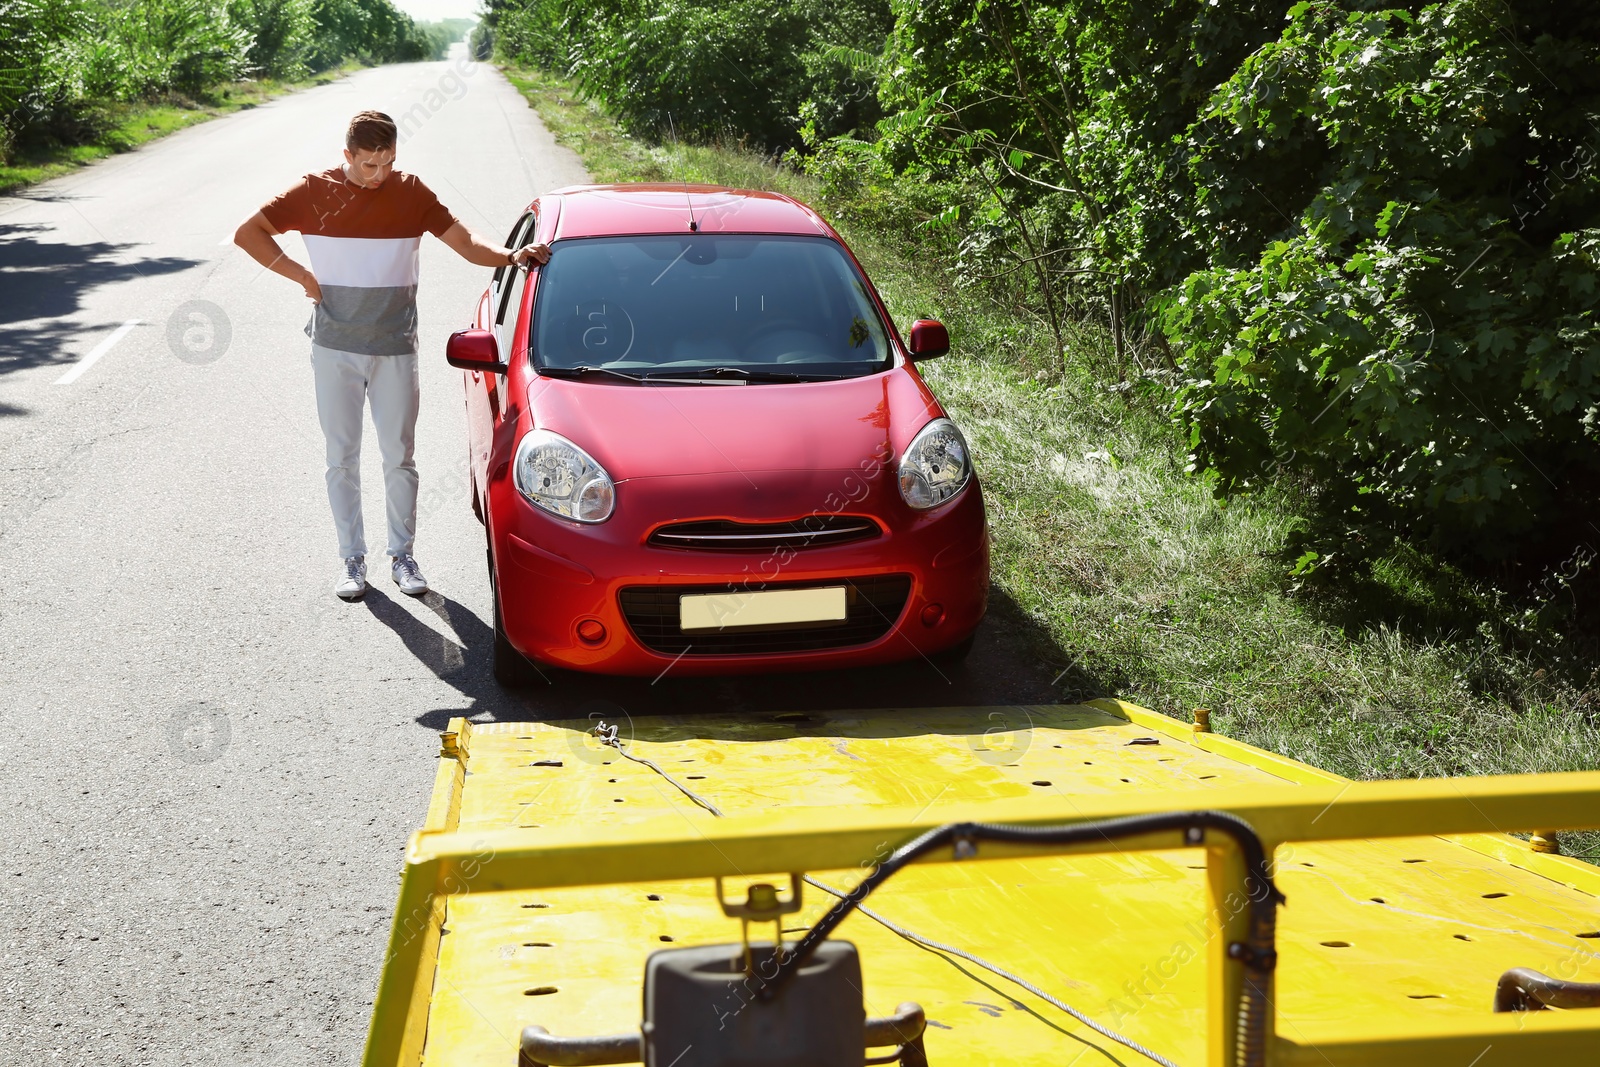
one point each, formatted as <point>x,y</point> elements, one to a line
<point>95,353</point>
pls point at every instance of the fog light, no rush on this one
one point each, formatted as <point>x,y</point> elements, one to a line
<point>933,615</point>
<point>591,631</point>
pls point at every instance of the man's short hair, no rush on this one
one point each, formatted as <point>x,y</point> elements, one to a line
<point>370,131</point>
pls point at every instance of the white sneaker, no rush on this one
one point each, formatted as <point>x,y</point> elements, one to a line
<point>408,576</point>
<point>353,582</point>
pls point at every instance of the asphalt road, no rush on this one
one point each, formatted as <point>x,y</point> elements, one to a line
<point>210,764</point>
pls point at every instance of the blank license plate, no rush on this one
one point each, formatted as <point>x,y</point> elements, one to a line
<point>773,607</point>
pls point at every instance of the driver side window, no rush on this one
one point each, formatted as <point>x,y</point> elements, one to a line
<point>508,285</point>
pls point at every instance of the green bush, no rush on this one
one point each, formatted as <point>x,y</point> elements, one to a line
<point>752,70</point>
<point>1422,339</point>
<point>44,50</point>
<point>480,43</point>
<point>186,45</point>
<point>679,67</point>
<point>281,33</point>
<point>536,32</point>
<point>59,57</point>
<point>372,31</point>
<point>841,66</point>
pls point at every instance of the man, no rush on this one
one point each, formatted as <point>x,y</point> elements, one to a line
<point>363,224</point>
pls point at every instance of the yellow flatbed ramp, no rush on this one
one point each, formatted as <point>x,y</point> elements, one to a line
<point>553,865</point>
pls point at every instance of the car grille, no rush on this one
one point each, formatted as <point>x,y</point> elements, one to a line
<point>872,605</point>
<point>813,531</point>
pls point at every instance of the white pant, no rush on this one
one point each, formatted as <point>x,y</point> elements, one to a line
<point>345,382</point>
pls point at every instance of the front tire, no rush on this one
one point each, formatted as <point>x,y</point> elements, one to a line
<point>511,668</point>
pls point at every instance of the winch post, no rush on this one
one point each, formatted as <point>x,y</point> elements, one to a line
<point>1227,904</point>
<point>762,904</point>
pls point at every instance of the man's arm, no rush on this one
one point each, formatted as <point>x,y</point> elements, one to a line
<point>474,249</point>
<point>255,235</point>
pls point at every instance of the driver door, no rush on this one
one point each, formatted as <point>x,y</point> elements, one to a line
<point>497,312</point>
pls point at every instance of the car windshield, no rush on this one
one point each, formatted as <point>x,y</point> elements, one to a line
<point>739,308</point>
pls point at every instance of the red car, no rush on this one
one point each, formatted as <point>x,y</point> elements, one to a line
<point>698,443</point>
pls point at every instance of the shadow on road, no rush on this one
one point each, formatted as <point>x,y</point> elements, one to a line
<point>438,653</point>
<point>46,280</point>
<point>45,198</point>
<point>1013,662</point>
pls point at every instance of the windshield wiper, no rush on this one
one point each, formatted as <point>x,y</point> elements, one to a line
<point>583,372</point>
<point>741,374</point>
<point>730,375</point>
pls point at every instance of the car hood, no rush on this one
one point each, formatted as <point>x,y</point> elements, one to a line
<point>647,431</point>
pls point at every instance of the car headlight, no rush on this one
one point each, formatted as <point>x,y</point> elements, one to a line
<point>936,465</point>
<point>563,479</point>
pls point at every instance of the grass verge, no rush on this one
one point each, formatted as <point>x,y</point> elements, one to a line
<point>1132,579</point>
<point>122,127</point>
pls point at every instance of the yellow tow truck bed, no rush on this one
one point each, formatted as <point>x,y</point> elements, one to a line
<point>553,865</point>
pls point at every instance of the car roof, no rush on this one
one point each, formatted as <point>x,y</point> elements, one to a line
<point>669,208</point>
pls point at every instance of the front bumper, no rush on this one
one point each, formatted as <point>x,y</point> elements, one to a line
<point>553,576</point>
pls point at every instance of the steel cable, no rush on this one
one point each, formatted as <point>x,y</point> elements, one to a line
<point>928,943</point>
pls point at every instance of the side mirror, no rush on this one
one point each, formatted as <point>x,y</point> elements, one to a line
<point>929,339</point>
<point>474,350</point>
